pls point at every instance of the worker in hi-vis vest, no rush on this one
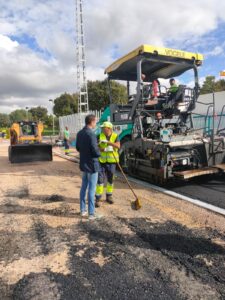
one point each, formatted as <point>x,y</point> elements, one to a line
<point>66,138</point>
<point>109,145</point>
<point>173,86</point>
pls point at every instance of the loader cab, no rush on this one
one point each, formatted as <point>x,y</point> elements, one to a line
<point>28,129</point>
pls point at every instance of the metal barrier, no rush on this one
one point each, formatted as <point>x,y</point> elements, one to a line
<point>206,122</point>
<point>75,122</point>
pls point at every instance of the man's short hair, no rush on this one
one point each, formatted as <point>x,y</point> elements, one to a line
<point>89,119</point>
<point>171,80</point>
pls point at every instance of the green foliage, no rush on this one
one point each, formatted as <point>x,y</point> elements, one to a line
<point>39,113</point>
<point>210,85</point>
<point>220,85</point>
<point>56,122</point>
<point>49,122</point>
<point>65,104</point>
<point>49,132</point>
<point>19,115</point>
<point>98,94</point>
<point>119,93</point>
<point>4,120</point>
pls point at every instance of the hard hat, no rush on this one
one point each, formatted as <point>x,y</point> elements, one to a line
<point>107,125</point>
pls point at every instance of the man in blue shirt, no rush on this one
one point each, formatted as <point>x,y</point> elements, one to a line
<point>87,146</point>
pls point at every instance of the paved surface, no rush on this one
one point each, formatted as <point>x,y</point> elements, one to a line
<point>209,189</point>
<point>168,250</point>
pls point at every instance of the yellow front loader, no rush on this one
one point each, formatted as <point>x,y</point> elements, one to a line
<point>26,143</point>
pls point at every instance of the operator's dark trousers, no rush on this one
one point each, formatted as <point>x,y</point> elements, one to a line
<point>67,147</point>
<point>106,171</point>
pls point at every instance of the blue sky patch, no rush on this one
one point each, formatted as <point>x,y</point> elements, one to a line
<point>31,43</point>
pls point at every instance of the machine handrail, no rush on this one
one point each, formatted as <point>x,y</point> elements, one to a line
<point>221,114</point>
<point>207,114</point>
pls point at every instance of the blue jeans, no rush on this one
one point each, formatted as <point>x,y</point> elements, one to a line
<point>88,180</point>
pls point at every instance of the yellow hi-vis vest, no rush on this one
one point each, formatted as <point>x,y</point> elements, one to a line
<point>108,157</point>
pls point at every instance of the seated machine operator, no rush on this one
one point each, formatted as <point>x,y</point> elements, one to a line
<point>173,89</point>
<point>154,131</point>
<point>173,86</point>
<point>158,121</point>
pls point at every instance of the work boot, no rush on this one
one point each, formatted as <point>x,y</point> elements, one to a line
<point>98,202</point>
<point>109,199</point>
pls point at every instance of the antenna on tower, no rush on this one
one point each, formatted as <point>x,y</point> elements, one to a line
<point>82,89</point>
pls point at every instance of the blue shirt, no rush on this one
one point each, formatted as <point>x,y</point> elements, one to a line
<point>86,144</point>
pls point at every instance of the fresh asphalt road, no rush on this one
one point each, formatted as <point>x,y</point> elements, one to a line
<point>209,189</point>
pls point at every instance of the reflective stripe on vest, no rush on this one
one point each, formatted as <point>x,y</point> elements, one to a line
<point>108,157</point>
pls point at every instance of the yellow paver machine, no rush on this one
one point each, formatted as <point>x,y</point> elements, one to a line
<point>161,141</point>
<point>26,143</point>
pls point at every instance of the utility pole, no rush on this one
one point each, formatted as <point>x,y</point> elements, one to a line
<point>27,112</point>
<point>53,123</point>
<point>82,89</point>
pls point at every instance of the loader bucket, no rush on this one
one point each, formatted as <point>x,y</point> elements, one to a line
<point>30,153</point>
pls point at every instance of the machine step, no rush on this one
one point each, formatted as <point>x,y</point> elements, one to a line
<point>199,172</point>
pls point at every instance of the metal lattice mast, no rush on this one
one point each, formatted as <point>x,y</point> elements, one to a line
<point>81,60</point>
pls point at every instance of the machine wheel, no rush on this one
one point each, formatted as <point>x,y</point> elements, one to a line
<point>121,152</point>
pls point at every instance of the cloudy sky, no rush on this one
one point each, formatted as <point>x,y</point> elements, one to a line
<point>37,40</point>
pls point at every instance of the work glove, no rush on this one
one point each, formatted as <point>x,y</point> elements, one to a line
<point>109,149</point>
<point>104,141</point>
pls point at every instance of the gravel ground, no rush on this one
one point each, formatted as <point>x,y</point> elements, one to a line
<point>168,250</point>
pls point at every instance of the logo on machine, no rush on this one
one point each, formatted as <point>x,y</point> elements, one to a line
<point>119,128</point>
<point>175,53</point>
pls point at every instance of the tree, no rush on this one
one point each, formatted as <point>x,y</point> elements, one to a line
<point>19,115</point>
<point>4,120</point>
<point>220,85</point>
<point>98,94</point>
<point>39,113</point>
<point>210,85</point>
<point>65,104</point>
<point>49,121</point>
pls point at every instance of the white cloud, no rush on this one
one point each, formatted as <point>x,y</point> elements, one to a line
<point>113,28</point>
<point>217,50</point>
<point>7,44</point>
